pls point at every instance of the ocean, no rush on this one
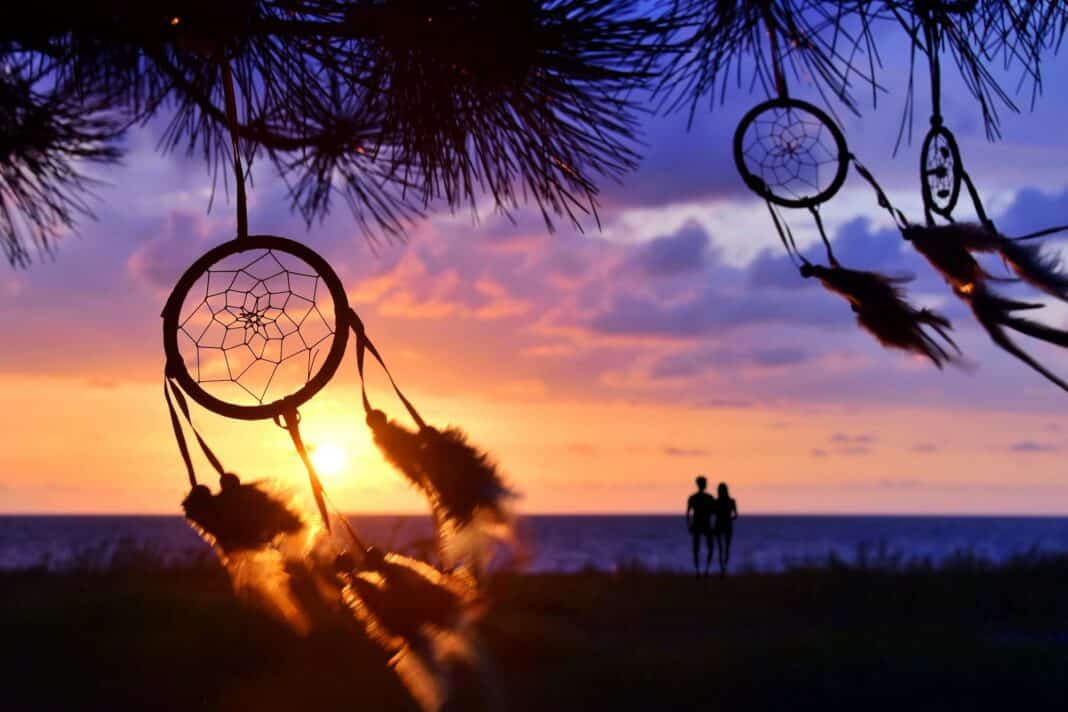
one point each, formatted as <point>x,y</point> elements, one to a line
<point>573,543</point>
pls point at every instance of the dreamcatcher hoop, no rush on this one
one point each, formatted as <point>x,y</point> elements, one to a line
<point>176,367</point>
<point>941,171</point>
<point>792,135</point>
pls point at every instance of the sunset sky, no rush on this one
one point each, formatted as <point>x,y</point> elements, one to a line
<point>604,370</point>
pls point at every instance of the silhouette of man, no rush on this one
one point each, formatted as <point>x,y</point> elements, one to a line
<point>699,510</point>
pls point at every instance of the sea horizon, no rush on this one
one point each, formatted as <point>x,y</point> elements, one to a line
<point>933,515</point>
<point>768,543</point>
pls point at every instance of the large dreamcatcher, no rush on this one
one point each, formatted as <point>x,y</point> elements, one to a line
<point>253,330</point>
<point>793,155</point>
<point>949,245</point>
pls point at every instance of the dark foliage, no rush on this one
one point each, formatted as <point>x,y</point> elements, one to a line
<point>394,105</point>
<point>391,104</point>
<point>43,138</point>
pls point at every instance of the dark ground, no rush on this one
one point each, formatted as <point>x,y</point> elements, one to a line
<point>858,640</point>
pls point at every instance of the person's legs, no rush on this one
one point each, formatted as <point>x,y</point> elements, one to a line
<point>724,550</point>
<point>696,553</point>
<point>710,542</point>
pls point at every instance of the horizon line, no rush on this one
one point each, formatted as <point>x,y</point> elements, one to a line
<point>977,514</point>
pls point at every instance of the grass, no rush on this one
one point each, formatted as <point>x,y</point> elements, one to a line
<point>137,636</point>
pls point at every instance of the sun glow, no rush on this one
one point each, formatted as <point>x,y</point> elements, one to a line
<point>329,459</point>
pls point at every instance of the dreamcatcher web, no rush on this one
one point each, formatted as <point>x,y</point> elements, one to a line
<point>256,326</point>
<point>789,150</point>
<point>940,169</point>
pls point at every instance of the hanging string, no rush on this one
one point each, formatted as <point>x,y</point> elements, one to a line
<point>364,344</point>
<point>884,201</point>
<point>179,435</point>
<point>776,64</point>
<point>235,148</point>
<point>785,236</point>
<point>973,192</point>
<point>814,209</point>
<point>170,388</point>
<point>291,422</point>
<point>934,64</point>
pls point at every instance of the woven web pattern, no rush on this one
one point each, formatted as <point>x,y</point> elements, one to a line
<point>940,170</point>
<point>792,151</point>
<point>256,327</point>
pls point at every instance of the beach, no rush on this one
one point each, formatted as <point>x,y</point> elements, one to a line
<point>967,635</point>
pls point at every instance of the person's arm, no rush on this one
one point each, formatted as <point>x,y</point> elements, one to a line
<point>734,509</point>
<point>689,515</point>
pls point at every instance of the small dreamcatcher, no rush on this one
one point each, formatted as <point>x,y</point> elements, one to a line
<point>793,155</point>
<point>949,245</point>
<point>253,330</point>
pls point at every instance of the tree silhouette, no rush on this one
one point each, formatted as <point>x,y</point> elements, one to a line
<point>394,106</point>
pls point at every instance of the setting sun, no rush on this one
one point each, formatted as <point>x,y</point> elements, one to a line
<point>329,459</point>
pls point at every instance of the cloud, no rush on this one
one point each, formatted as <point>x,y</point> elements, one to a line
<point>853,439</point>
<point>925,447</point>
<point>684,251</point>
<point>673,451</point>
<point>1025,446</point>
<point>160,260</point>
<point>684,164</point>
<point>710,311</point>
<point>1032,209</point>
<point>900,484</point>
<point>688,364</point>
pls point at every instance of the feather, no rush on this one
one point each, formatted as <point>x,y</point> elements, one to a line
<point>421,615</point>
<point>945,247</point>
<point>466,479</point>
<point>248,528</point>
<point>882,311</point>
<point>1040,269</point>
<point>241,516</point>
<point>400,447</point>
<point>993,312</point>
<point>467,495</point>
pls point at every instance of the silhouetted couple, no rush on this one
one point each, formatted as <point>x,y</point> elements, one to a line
<point>712,518</point>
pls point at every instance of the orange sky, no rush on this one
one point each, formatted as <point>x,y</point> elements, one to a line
<point>100,447</point>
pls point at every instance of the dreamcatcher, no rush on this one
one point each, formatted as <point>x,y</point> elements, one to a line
<point>252,331</point>
<point>950,246</point>
<point>792,154</point>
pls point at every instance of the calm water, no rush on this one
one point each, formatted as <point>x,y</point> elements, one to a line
<point>570,543</point>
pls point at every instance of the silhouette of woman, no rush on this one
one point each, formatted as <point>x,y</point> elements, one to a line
<point>726,513</point>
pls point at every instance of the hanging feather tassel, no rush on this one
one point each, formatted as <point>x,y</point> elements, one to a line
<point>945,247</point>
<point>400,447</point>
<point>418,613</point>
<point>465,477</point>
<point>994,311</point>
<point>249,528</point>
<point>882,311</point>
<point>1040,269</point>
<point>468,497</point>
<point>241,516</point>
